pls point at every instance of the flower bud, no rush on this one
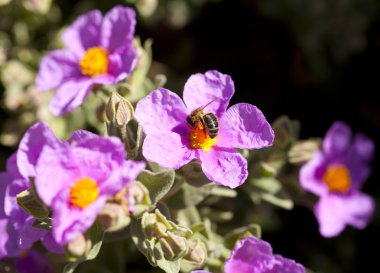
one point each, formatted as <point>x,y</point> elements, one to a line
<point>78,247</point>
<point>37,6</point>
<point>119,111</point>
<point>197,252</point>
<point>303,151</point>
<point>29,201</point>
<point>113,217</point>
<point>173,246</point>
<point>154,226</point>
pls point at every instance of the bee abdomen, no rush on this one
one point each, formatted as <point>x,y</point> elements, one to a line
<point>211,124</point>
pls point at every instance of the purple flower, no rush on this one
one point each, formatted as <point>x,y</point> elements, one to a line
<point>336,174</point>
<point>172,142</point>
<point>17,233</point>
<point>252,255</point>
<point>33,262</point>
<point>75,177</point>
<point>99,51</point>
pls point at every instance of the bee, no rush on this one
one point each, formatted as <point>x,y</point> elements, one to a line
<point>209,122</point>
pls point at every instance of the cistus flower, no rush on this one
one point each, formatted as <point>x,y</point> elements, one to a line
<point>336,174</point>
<point>74,177</point>
<point>17,233</point>
<point>99,50</point>
<point>172,142</point>
<point>252,255</point>
<point>32,261</point>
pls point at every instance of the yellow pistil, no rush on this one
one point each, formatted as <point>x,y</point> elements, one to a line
<point>337,179</point>
<point>94,62</point>
<point>200,139</point>
<point>84,192</point>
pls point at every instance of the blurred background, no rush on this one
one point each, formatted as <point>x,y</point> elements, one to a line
<point>315,61</point>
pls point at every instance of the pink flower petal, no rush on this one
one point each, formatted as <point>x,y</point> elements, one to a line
<point>122,62</point>
<point>244,126</point>
<point>311,175</point>
<point>161,110</point>
<point>83,33</point>
<point>224,167</point>
<point>70,95</point>
<point>55,68</point>
<point>337,140</point>
<point>359,209</point>
<point>38,136</point>
<point>330,212</point>
<point>167,149</point>
<point>118,28</point>
<point>213,87</point>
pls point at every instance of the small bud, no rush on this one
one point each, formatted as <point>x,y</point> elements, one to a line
<point>197,253</point>
<point>303,151</point>
<point>153,227</point>
<point>29,201</point>
<point>113,217</point>
<point>78,247</point>
<point>119,111</point>
<point>173,246</point>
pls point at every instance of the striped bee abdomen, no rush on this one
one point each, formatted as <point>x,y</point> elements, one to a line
<point>210,122</point>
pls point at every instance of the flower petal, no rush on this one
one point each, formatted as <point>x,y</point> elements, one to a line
<point>284,265</point>
<point>122,61</point>
<point>55,164</point>
<point>162,110</point>
<point>359,209</point>
<point>70,222</point>
<point>167,149</point>
<point>249,255</point>
<point>55,68</point>
<point>12,168</point>
<point>131,169</point>
<point>8,239</point>
<point>213,87</point>
<point>83,33</point>
<point>118,27</point>
<point>337,140</point>
<point>38,136</point>
<point>311,175</point>
<point>224,167</point>
<point>330,213</point>
<point>244,126</point>
<point>51,245</point>
<point>70,95</point>
<point>28,234</point>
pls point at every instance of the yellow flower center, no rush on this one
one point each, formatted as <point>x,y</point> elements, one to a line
<point>337,178</point>
<point>94,61</point>
<point>200,139</point>
<point>84,192</point>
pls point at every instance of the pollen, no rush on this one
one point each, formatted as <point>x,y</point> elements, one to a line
<point>94,62</point>
<point>337,179</point>
<point>84,192</point>
<point>200,139</point>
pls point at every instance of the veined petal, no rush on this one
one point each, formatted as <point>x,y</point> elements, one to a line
<point>167,149</point>
<point>224,167</point>
<point>70,222</point>
<point>118,28</point>
<point>38,136</point>
<point>122,62</point>
<point>337,140</point>
<point>284,265</point>
<point>244,126</point>
<point>55,68</point>
<point>162,110</point>
<point>70,95</point>
<point>213,87</point>
<point>83,33</point>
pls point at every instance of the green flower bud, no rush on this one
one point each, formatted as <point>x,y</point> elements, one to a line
<point>197,252</point>
<point>78,247</point>
<point>303,151</point>
<point>119,111</point>
<point>173,246</point>
<point>153,227</point>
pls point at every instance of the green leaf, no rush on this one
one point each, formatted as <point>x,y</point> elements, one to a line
<point>232,237</point>
<point>268,184</point>
<point>95,235</point>
<point>189,196</point>
<point>158,183</point>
